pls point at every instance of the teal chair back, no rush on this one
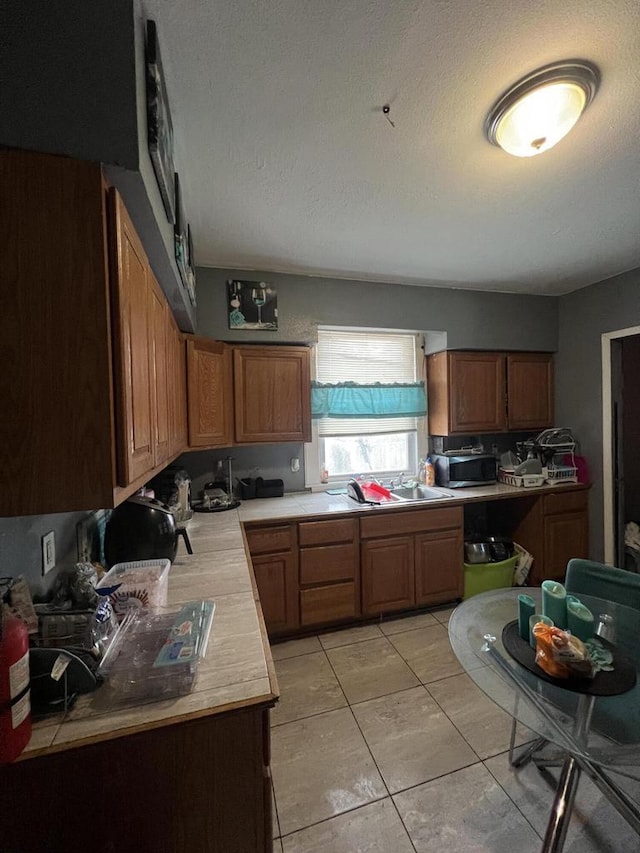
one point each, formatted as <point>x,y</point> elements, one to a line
<point>619,716</point>
<point>589,578</point>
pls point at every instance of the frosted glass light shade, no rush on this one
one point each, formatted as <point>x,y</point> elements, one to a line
<point>542,108</point>
<point>539,120</point>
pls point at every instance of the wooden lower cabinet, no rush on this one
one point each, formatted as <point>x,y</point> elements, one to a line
<point>387,575</point>
<point>331,603</point>
<point>554,527</point>
<point>566,535</point>
<point>329,571</point>
<point>277,580</point>
<point>274,555</point>
<point>418,562</point>
<point>438,574</point>
<point>201,785</point>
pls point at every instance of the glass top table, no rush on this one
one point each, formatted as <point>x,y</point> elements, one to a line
<point>597,735</point>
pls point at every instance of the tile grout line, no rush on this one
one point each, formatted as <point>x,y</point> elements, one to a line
<point>502,788</point>
<point>389,795</point>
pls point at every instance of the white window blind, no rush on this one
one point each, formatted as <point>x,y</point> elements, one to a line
<point>365,358</point>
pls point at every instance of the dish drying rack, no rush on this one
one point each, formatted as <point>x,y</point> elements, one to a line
<point>556,447</point>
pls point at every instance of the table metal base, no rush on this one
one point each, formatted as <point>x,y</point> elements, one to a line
<point>573,759</point>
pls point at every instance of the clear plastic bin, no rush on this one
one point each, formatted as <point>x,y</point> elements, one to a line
<point>140,584</point>
<point>155,654</point>
<point>481,577</point>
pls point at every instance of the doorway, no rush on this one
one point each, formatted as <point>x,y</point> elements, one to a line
<point>621,443</point>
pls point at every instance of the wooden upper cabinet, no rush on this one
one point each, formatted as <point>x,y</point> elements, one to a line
<point>178,389</point>
<point>466,392</point>
<point>210,393</point>
<point>133,347</point>
<point>272,394</point>
<point>84,331</point>
<point>530,390</point>
<point>485,392</point>
<point>161,332</point>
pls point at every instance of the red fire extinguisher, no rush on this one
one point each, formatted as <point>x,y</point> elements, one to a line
<point>15,707</point>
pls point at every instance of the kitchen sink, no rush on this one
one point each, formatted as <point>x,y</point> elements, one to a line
<point>417,494</point>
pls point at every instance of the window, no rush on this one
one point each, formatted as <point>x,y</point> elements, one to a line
<point>358,374</point>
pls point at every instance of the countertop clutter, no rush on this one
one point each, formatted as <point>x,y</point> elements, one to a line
<point>237,670</point>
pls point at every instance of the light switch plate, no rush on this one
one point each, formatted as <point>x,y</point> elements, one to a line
<point>48,552</point>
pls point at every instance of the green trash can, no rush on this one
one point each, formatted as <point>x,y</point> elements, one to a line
<point>481,577</point>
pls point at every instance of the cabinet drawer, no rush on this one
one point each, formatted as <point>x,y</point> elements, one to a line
<point>265,540</point>
<point>417,521</point>
<point>565,502</point>
<point>327,532</point>
<point>328,603</point>
<point>328,563</point>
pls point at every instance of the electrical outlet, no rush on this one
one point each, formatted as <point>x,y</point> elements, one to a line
<point>48,552</point>
<point>295,465</point>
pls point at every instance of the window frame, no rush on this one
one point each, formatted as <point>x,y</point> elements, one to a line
<point>313,450</point>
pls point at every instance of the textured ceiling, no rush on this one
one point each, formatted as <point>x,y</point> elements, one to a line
<point>288,164</point>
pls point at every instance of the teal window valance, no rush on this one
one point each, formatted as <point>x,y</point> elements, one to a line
<point>351,400</point>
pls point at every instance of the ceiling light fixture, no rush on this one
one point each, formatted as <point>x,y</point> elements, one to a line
<point>540,109</point>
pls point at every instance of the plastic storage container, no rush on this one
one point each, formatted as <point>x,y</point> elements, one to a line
<point>138,584</point>
<point>155,654</point>
<point>481,577</point>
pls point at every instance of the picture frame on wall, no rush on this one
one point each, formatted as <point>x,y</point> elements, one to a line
<point>253,305</point>
<point>159,126</point>
<point>180,235</point>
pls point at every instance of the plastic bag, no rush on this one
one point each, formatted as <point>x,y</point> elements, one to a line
<point>560,654</point>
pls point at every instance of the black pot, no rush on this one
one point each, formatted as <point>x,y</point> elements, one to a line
<point>140,529</point>
<point>501,548</point>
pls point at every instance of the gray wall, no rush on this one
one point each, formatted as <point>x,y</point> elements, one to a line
<point>584,316</point>
<point>73,82</point>
<point>452,318</point>
<point>68,79</point>
<point>471,319</point>
<point>21,549</point>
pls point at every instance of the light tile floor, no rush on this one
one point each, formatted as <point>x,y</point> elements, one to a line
<point>381,744</point>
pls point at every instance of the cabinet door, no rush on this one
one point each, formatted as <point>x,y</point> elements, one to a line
<point>160,360</point>
<point>477,392</point>
<point>133,349</point>
<point>530,390</point>
<point>439,567</point>
<point>272,394</point>
<point>387,575</point>
<point>210,393</point>
<point>178,390</point>
<point>566,535</point>
<point>277,580</point>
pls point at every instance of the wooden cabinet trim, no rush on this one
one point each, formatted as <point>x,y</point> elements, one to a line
<point>328,532</point>
<point>565,502</point>
<point>411,521</point>
<point>263,540</point>
<point>320,605</point>
<point>324,563</point>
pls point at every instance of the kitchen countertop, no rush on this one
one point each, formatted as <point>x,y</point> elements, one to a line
<point>238,669</point>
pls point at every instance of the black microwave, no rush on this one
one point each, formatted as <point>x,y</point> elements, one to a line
<point>459,470</point>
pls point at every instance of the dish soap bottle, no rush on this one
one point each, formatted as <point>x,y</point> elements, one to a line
<point>429,472</point>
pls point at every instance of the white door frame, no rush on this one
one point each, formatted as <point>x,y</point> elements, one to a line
<point>607,441</point>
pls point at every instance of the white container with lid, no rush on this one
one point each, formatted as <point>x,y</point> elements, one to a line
<point>140,584</point>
